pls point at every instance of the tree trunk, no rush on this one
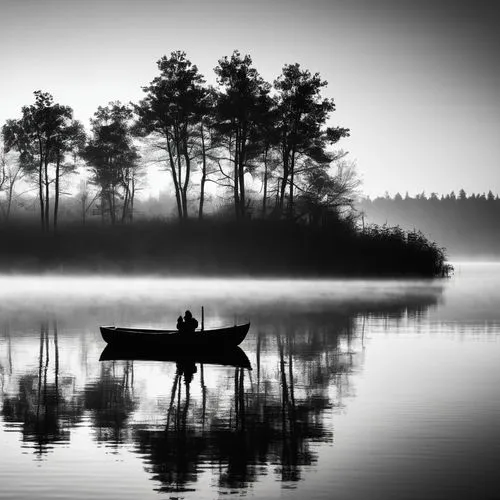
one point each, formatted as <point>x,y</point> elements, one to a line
<point>56,193</point>
<point>125,206</point>
<point>174,178</point>
<point>103,203</point>
<point>179,172</point>
<point>241,171</point>
<point>264,183</point>
<point>47,192</point>
<point>285,178</point>
<point>236,177</point>
<point>111,196</point>
<point>203,173</point>
<point>10,195</point>
<point>187,175</point>
<point>40,185</point>
<point>131,201</point>
<point>126,201</point>
<point>292,175</point>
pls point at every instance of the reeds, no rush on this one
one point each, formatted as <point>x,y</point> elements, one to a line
<point>221,247</point>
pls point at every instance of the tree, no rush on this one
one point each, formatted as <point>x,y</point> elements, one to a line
<point>69,142</point>
<point>44,134</point>
<point>302,115</point>
<point>241,112</point>
<point>10,172</point>
<point>329,192</point>
<point>113,159</point>
<point>173,111</point>
<point>266,142</point>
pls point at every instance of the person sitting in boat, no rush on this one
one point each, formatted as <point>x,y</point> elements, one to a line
<point>180,324</point>
<point>190,324</point>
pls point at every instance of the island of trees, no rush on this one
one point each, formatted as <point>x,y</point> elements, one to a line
<point>258,184</point>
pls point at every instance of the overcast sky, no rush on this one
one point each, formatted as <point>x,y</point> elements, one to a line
<point>417,82</point>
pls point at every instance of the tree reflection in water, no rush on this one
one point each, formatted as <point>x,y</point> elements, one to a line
<point>252,423</point>
<point>110,400</point>
<point>45,404</point>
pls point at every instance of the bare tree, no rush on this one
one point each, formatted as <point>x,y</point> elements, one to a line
<point>329,192</point>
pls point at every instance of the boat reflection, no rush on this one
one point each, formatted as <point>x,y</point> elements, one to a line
<point>233,356</point>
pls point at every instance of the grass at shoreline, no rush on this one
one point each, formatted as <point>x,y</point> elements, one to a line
<point>221,248</point>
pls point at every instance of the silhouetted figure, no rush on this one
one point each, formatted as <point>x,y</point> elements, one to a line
<point>180,324</point>
<point>188,369</point>
<point>190,323</point>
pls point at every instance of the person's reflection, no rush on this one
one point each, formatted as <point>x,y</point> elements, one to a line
<point>186,368</point>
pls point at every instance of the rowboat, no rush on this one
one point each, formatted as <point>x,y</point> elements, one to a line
<point>215,338</point>
<point>230,356</point>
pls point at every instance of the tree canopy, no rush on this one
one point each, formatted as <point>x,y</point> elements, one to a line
<point>269,149</point>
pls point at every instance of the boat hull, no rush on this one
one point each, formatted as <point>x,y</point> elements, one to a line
<point>230,356</point>
<point>207,339</point>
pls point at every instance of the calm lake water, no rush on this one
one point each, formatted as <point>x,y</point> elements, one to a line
<point>358,389</point>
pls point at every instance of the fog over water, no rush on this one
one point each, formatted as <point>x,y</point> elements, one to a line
<point>365,388</point>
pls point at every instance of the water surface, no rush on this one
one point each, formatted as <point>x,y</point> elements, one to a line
<point>358,389</point>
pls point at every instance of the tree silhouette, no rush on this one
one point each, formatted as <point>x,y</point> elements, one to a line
<point>173,110</point>
<point>44,134</point>
<point>242,110</point>
<point>302,115</point>
<point>113,159</point>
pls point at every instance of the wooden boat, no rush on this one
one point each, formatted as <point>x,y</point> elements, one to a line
<point>230,356</point>
<point>215,338</point>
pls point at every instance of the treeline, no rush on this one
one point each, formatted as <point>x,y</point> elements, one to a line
<point>243,129</point>
<point>285,194</point>
<point>466,224</point>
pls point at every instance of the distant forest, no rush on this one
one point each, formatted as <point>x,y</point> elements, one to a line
<point>244,157</point>
<point>466,224</point>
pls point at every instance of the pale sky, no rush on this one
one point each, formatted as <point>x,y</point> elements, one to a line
<point>416,81</point>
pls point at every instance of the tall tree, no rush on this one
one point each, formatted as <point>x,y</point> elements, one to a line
<point>42,136</point>
<point>205,142</point>
<point>173,112</point>
<point>302,115</point>
<point>113,159</point>
<point>241,111</point>
<point>68,144</point>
